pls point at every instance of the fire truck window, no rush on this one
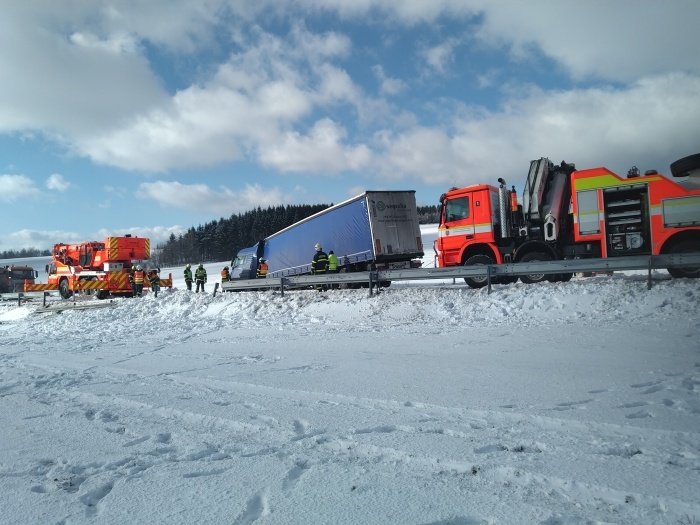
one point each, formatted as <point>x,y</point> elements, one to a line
<point>457,209</point>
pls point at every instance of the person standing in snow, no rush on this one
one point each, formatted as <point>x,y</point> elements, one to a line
<point>200,277</point>
<point>138,281</point>
<point>154,280</point>
<point>319,264</point>
<point>332,265</point>
<point>188,277</point>
<point>332,262</point>
<point>262,269</point>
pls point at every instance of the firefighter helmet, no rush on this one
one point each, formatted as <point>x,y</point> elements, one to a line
<point>318,247</point>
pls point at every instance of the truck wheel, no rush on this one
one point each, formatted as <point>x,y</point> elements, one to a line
<point>691,245</point>
<point>565,277</point>
<point>102,294</point>
<point>682,167</point>
<point>534,278</point>
<point>476,260</point>
<point>64,290</point>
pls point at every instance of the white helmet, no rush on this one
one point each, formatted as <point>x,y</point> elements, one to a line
<point>318,247</point>
<point>138,267</point>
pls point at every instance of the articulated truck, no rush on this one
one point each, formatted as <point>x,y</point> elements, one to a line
<point>373,230</point>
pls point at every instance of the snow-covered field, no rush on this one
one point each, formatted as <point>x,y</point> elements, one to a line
<point>431,403</point>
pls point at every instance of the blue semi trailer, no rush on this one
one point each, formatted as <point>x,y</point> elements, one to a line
<point>376,229</point>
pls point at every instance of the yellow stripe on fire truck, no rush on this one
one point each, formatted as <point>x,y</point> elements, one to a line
<point>467,229</point>
<point>91,285</point>
<point>119,280</point>
<point>37,287</point>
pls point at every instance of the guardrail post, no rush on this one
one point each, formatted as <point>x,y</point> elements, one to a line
<point>488,278</point>
<point>216,287</point>
<point>649,276</point>
<point>281,286</point>
<point>44,301</point>
<point>19,298</point>
<point>371,275</point>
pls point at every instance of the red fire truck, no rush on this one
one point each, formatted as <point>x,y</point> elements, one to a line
<point>569,214</point>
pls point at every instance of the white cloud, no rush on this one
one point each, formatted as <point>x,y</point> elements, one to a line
<point>200,197</point>
<point>75,86</point>
<point>91,86</point>
<point>57,182</point>
<point>621,40</point>
<point>42,240</point>
<point>247,106</point>
<point>16,187</point>
<point>156,234</point>
<point>45,239</point>
<point>319,151</point>
<point>388,85</point>
<point>655,118</point>
<point>438,58</point>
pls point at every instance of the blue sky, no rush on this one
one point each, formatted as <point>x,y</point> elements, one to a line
<point>150,117</point>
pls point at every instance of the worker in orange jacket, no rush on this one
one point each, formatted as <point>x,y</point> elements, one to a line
<point>138,281</point>
<point>262,269</point>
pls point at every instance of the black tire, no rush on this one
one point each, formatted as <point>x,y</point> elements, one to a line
<point>480,259</point>
<point>534,278</point>
<point>691,245</point>
<point>565,277</point>
<point>682,167</point>
<point>102,294</point>
<point>64,290</point>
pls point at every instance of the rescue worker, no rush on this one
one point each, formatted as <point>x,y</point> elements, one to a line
<point>154,280</point>
<point>138,281</point>
<point>319,265</point>
<point>262,269</point>
<point>188,277</point>
<point>333,265</point>
<point>332,262</point>
<point>225,275</point>
<point>200,277</point>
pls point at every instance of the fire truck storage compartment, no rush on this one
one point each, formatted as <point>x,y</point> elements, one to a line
<point>627,220</point>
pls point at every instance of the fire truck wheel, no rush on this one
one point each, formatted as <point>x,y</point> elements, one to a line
<point>534,278</point>
<point>480,259</point>
<point>683,167</point>
<point>565,277</point>
<point>690,245</point>
<point>64,290</point>
<point>102,294</point>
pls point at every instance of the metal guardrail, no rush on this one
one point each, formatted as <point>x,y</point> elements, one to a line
<point>374,279</point>
<point>23,296</point>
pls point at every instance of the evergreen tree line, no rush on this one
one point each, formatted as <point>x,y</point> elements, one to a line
<point>24,253</point>
<point>221,240</point>
<point>428,214</point>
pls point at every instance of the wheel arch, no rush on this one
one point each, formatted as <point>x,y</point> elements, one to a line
<point>534,246</point>
<point>480,249</point>
<point>677,238</point>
